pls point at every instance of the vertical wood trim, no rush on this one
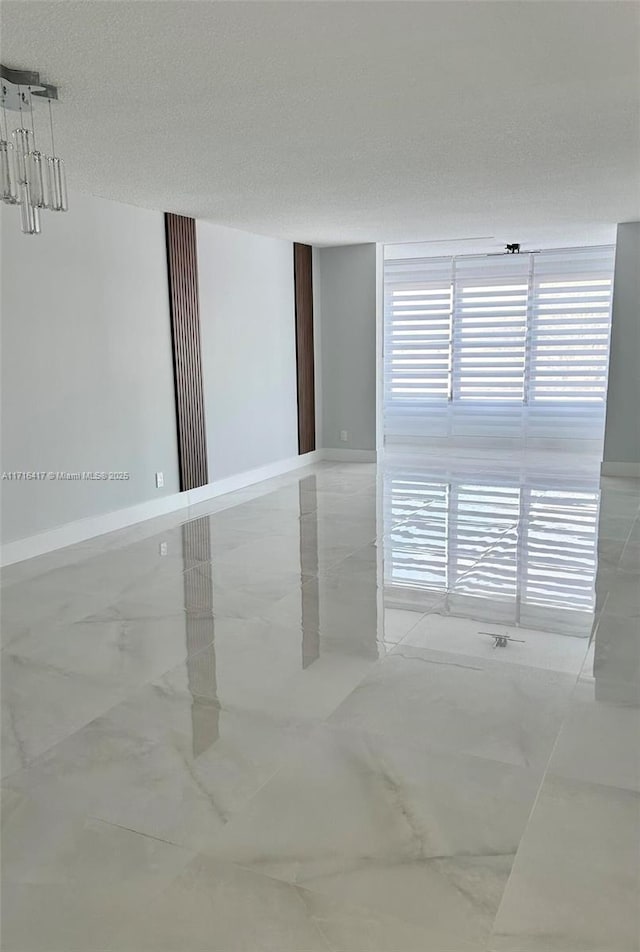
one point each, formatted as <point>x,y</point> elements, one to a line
<point>303,281</point>
<point>182,267</point>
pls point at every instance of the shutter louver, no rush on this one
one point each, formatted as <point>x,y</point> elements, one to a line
<point>417,341</point>
<point>511,347</point>
<point>516,554</point>
<point>570,328</point>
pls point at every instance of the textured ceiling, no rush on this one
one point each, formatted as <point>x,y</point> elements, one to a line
<point>334,122</point>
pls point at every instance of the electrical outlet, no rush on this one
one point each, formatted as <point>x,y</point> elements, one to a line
<point>164,548</point>
<point>159,480</point>
<point>344,436</point>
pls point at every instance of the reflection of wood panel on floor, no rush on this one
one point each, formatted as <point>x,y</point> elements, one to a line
<point>199,625</point>
<point>309,590</point>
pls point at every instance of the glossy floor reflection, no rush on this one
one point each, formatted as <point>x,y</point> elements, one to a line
<point>359,709</point>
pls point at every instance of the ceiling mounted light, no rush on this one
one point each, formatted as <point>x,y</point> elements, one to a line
<point>28,177</point>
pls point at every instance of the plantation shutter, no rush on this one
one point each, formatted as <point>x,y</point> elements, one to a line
<point>489,347</point>
<point>570,329</point>
<point>417,344</point>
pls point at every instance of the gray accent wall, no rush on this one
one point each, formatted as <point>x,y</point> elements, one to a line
<point>247,316</point>
<point>87,377</point>
<point>622,432</point>
<point>347,317</point>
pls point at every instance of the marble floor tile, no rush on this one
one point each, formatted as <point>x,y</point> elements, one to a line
<point>118,653</point>
<point>270,721</point>
<point>614,527</point>
<point>242,591</point>
<point>156,599</point>
<point>617,484</point>
<point>42,844</point>
<point>529,647</point>
<point>68,882</point>
<point>425,837</point>
<point>222,908</point>
<point>501,711</point>
<point>42,706</point>
<point>169,766</point>
<point>361,566</point>
<point>625,504</point>
<point>559,619</point>
<point>173,545</point>
<point>576,879</point>
<point>615,650</point>
<point>176,758</point>
<point>167,528</point>
<point>273,671</point>
<point>162,556</point>
<point>599,741</point>
<point>29,607</point>
<point>31,569</point>
<point>357,478</point>
<point>612,683</point>
<point>352,506</point>
<point>485,607</point>
<point>110,575</point>
<point>609,553</point>
<point>630,559</point>
<point>288,501</point>
<point>281,553</point>
<point>342,608</point>
<point>250,521</point>
<point>348,529</point>
<point>398,623</point>
<point>622,590</point>
<point>351,928</point>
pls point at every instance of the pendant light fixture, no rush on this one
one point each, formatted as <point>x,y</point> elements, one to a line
<point>29,178</point>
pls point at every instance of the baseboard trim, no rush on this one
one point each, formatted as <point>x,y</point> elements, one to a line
<point>620,469</point>
<point>74,532</point>
<point>241,480</point>
<point>349,456</point>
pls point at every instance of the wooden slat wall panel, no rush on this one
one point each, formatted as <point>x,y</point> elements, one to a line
<point>187,357</point>
<point>303,276</point>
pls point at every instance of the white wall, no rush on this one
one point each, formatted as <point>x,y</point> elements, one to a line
<point>87,380</point>
<point>347,316</point>
<point>247,316</point>
<point>622,432</point>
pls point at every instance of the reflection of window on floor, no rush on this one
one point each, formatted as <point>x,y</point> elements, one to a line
<point>498,346</point>
<point>526,545</point>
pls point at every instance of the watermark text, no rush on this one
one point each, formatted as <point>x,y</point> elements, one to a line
<point>29,475</point>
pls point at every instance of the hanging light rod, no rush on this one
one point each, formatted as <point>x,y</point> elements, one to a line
<point>28,177</point>
<point>19,84</point>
